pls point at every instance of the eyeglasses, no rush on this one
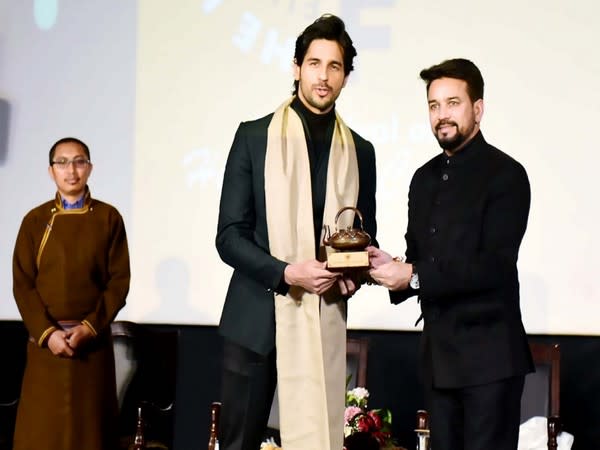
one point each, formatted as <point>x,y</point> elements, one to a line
<point>78,163</point>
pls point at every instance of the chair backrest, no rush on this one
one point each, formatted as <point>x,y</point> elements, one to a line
<point>541,393</point>
<point>357,355</point>
<point>145,369</point>
<point>127,355</point>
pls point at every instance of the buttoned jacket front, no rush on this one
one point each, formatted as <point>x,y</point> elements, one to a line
<point>467,216</point>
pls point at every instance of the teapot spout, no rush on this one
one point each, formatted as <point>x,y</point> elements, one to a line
<point>326,235</point>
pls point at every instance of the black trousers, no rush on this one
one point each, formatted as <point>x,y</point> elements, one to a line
<point>484,417</point>
<point>248,385</point>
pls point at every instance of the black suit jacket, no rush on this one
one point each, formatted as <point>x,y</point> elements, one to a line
<point>467,217</point>
<point>248,316</point>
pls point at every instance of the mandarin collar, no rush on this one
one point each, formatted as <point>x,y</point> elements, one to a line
<point>470,151</point>
<point>87,199</point>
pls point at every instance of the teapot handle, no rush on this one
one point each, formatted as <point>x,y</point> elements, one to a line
<point>358,213</point>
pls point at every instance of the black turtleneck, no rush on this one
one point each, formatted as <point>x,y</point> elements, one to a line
<point>318,129</point>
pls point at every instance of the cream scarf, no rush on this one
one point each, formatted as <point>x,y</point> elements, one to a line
<point>310,330</point>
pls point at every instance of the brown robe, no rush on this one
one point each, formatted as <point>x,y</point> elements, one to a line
<point>69,265</point>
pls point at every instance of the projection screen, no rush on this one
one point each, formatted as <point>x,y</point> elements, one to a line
<point>157,89</point>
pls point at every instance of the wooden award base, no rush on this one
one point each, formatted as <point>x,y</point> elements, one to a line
<point>348,260</point>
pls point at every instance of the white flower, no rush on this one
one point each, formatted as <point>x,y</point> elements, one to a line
<point>360,393</point>
<point>347,431</point>
<point>269,444</point>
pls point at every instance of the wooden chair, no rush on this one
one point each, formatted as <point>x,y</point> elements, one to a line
<point>541,395</point>
<point>145,368</point>
<point>127,355</point>
<point>213,431</point>
<point>357,355</point>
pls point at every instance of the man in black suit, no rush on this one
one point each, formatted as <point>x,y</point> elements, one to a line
<point>286,174</point>
<point>467,214</point>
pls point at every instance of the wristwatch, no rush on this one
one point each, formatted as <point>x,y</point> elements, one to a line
<point>414,278</point>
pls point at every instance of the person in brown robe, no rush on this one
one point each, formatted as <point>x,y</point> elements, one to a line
<point>70,278</point>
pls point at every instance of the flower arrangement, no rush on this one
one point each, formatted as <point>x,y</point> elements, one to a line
<point>364,428</point>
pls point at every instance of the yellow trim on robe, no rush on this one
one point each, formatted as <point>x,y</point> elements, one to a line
<point>89,325</point>
<point>44,335</point>
<point>59,210</point>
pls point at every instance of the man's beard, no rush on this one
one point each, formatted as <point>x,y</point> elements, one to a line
<point>320,104</point>
<point>456,141</point>
<point>451,143</point>
<point>313,100</point>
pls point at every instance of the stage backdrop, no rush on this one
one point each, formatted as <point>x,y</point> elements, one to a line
<point>158,89</point>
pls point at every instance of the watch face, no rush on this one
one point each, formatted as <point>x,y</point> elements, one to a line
<point>414,281</point>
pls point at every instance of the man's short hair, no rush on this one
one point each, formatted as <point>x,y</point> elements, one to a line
<point>459,68</point>
<point>331,28</point>
<point>68,140</point>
